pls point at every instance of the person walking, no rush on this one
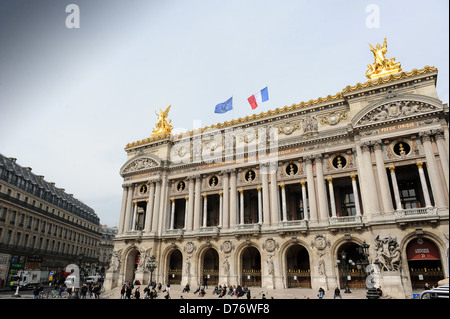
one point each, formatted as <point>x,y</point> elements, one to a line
<point>83,291</point>
<point>337,293</point>
<point>137,294</point>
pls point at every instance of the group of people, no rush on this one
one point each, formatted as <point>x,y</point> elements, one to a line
<point>149,292</point>
<point>221,291</point>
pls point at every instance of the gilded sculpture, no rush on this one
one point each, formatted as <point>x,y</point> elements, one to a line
<point>382,65</point>
<point>163,125</point>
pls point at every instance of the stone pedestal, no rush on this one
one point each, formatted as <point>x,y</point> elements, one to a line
<point>139,275</point>
<point>111,280</point>
<point>392,284</point>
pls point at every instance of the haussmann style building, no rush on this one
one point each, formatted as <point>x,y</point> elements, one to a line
<point>287,198</point>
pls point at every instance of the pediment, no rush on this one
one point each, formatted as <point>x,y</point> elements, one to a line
<point>140,163</point>
<point>395,108</point>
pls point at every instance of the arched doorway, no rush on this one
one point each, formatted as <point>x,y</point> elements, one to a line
<point>424,263</point>
<point>175,267</point>
<point>131,264</point>
<point>351,266</point>
<point>211,267</point>
<point>298,267</point>
<point>251,267</point>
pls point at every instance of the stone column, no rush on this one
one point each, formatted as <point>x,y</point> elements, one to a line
<point>313,216</point>
<point>398,202</point>
<point>128,209</point>
<point>305,201</point>
<point>149,210</point>
<point>164,205</point>
<point>321,190</point>
<point>156,207</point>
<point>265,188</point>
<point>356,195</point>
<point>274,206</point>
<point>433,172</point>
<point>190,215</point>
<point>241,207</point>
<point>205,210</point>
<point>382,177</point>
<point>442,149</point>
<point>332,201</point>
<point>197,204</point>
<point>233,199</point>
<point>220,210</point>
<point>423,183</point>
<point>372,193</point>
<point>133,223</point>
<point>226,201</point>
<point>172,213</point>
<point>283,202</point>
<point>123,208</point>
<point>186,209</point>
<point>260,209</point>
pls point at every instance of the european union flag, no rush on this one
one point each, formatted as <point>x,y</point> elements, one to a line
<point>225,106</point>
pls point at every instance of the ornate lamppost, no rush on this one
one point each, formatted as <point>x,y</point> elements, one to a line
<point>344,265</point>
<point>151,265</point>
<point>370,283</point>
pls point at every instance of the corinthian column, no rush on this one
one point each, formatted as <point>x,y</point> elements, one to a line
<point>190,212</point>
<point>205,210</point>
<point>233,198</point>
<point>241,207</point>
<point>313,216</point>
<point>356,195</point>
<point>149,210</point>
<point>123,208</point>
<point>274,197</point>
<point>372,193</point>
<point>197,204</point>
<point>321,190</point>
<point>283,202</point>
<point>156,207</point>
<point>442,148</point>
<point>398,201</point>
<point>226,201</point>
<point>382,176</point>
<point>265,196</point>
<point>433,172</point>
<point>305,201</point>
<point>423,183</point>
<point>332,201</point>
<point>129,206</point>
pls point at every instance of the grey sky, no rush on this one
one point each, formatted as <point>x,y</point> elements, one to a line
<point>71,99</point>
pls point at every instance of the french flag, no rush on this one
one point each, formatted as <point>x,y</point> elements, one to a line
<point>256,99</point>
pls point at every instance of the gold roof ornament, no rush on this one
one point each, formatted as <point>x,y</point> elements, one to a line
<point>163,125</point>
<point>382,66</point>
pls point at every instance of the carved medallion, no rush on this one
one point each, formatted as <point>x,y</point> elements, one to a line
<point>270,245</point>
<point>189,248</point>
<point>227,246</point>
<point>320,242</point>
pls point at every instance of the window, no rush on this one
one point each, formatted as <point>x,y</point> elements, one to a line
<point>12,220</point>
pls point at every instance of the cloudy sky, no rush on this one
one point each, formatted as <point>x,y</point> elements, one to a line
<point>72,98</point>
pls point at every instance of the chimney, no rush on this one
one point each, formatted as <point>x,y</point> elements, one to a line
<point>28,169</point>
<point>12,159</point>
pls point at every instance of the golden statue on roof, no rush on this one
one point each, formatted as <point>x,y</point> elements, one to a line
<point>163,125</point>
<point>382,65</point>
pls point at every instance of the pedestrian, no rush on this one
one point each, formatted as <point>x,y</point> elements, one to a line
<point>137,294</point>
<point>96,291</point>
<point>427,286</point>
<point>248,294</point>
<point>60,291</point>
<point>321,293</point>
<point>83,291</point>
<point>122,292</point>
<point>36,292</point>
<point>337,293</point>
<point>128,291</point>
<point>187,288</point>
<point>205,282</point>
<point>159,286</point>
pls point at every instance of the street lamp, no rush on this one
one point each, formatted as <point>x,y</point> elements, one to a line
<point>371,291</point>
<point>151,265</point>
<point>345,266</point>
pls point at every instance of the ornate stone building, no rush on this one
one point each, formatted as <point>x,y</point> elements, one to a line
<point>274,199</point>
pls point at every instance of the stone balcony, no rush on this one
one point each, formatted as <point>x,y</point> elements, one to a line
<point>173,233</point>
<point>417,214</point>
<point>346,222</point>
<point>208,231</point>
<point>293,225</point>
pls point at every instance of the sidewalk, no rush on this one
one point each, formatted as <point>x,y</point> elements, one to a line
<point>256,293</point>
